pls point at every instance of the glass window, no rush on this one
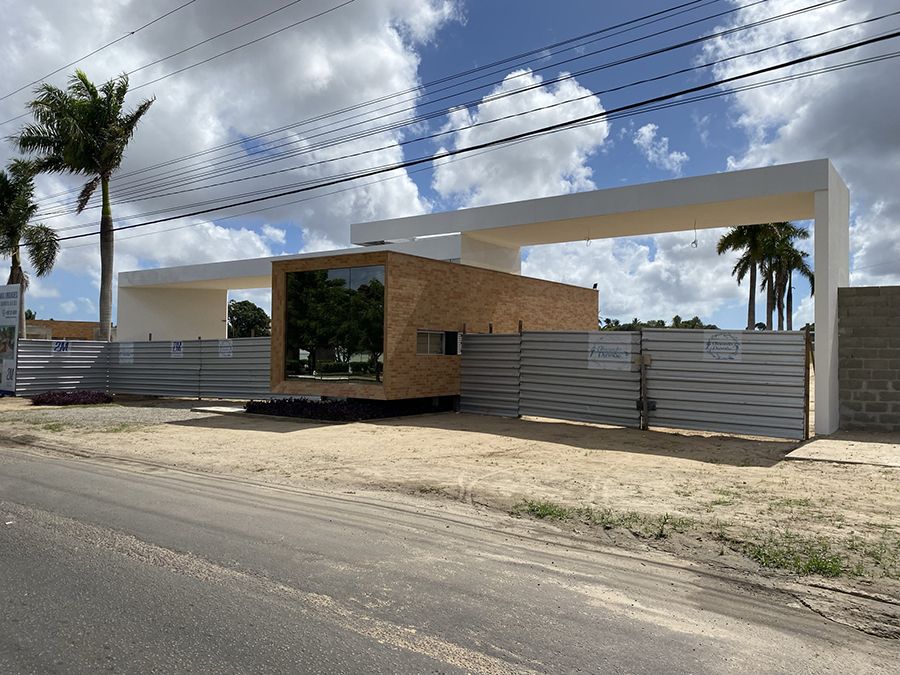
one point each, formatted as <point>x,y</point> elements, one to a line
<point>334,324</point>
<point>429,342</point>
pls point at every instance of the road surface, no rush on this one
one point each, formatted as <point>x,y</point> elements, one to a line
<point>124,567</point>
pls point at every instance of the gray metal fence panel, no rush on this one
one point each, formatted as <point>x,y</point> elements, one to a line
<point>584,376</point>
<point>489,381</point>
<point>155,368</point>
<point>742,382</point>
<point>69,365</point>
<point>237,369</point>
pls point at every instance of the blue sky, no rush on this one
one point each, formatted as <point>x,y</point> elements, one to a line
<point>371,48</point>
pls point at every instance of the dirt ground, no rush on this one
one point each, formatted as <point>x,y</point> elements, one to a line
<point>733,502</point>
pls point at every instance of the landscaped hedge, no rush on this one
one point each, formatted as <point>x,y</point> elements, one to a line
<point>347,409</point>
<point>57,397</point>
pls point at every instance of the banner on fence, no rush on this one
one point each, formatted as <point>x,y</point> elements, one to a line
<point>607,351</point>
<point>9,334</point>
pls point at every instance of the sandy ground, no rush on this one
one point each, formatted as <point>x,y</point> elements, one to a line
<point>730,501</point>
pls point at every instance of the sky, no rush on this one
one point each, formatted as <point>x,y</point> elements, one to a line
<point>254,99</point>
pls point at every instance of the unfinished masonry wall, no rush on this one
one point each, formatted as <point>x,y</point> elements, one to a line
<point>869,358</point>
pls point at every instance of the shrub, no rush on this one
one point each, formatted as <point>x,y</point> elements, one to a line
<point>57,397</point>
<point>347,409</point>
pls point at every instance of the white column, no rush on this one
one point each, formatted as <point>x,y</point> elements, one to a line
<point>832,268</point>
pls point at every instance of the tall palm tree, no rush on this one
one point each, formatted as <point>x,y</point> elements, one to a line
<point>780,259</point>
<point>16,230</point>
<point>84,130</point>
<point>749,239</point>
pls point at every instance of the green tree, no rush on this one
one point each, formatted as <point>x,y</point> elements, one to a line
<point>749,240</point>
<point>246,319</point>
<point>84,130</point>
<point>41,243</point>
<point>780,259</point>
<point>30,315</point>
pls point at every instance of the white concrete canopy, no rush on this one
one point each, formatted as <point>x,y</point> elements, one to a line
<point>803,191</point>
<point>191,301</point>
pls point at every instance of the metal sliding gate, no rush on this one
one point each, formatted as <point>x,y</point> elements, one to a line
<point>743,382</point>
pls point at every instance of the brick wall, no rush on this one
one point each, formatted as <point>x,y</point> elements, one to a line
<point>869,353</point>
<point>425,294</point>
<point>59,330</point>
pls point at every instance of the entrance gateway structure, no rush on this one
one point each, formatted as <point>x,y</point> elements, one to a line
<point>188,302</point>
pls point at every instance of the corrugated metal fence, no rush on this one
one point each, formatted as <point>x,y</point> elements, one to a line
<point>42,365</point>
<point>746,382</point>
<point>490,374</point>
<point>741,382</point>
<point>580,376</point>
<point>193,368</point>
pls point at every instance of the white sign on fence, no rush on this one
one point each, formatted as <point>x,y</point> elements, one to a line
<point>9,334</point>
<point>226,349</point>
<point>177,349</point>
<point>609,351</point>
<point>126,352</point>
<point>721,346</point>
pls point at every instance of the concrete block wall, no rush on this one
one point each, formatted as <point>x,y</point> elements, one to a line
<point>869,358</point>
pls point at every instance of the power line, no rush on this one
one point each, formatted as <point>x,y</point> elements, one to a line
<point>647,20</point>
<point>97,51</point>
<point>554,128</point>
<point>138,191</point>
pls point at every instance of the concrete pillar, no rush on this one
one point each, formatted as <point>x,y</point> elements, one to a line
<point>832,268</point>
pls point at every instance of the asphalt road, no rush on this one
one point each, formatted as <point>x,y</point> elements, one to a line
<point>111,566</point>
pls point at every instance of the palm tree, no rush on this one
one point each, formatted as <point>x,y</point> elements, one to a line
<point>780,259</point>
<point>16,230</point>
<point>84,131</point>
<point>749,239</point>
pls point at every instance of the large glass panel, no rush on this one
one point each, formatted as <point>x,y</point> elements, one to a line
<point>335,324</point>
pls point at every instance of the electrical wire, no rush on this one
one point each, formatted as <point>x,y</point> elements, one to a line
<point>554,128</point>
<point>645,20</point>
<point>97,51</point>
<point>140,191</point>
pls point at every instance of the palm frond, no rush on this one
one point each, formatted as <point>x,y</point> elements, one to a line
<point>42,244</point>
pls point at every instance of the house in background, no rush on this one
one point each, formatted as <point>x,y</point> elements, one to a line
<point>50,329</point>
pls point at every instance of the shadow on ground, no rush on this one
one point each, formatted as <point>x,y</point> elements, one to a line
<point>271,425</point>
<point>699,447</point>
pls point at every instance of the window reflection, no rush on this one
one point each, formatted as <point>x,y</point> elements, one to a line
<point>335,324</point>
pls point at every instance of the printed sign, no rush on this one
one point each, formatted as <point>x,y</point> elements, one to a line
<point>126,352</point>
<point>9,334</point>
<point>721,346</point>
<point>226,349</point>
<point>177,349</point>
<point>61,346</point>
<point>609,352</point>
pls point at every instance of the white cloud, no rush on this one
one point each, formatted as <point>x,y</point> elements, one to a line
<point>273,234</point>
<point>88,304</point>
<point>644,277</point>
<point>656,151</point>
<point>69,306</point>
<point>361,52</point>
<point>844,115</point>
<point>549,165</point>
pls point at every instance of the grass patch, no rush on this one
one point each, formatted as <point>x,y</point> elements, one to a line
<point>796,553</point>
<point>655,527</point>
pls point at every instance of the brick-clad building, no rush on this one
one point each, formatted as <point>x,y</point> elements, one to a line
<point>50,329</point>
<point>445,299</point>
